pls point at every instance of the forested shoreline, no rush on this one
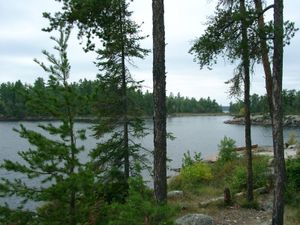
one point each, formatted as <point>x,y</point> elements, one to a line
<point>259,104</point>
<point>15,103</point>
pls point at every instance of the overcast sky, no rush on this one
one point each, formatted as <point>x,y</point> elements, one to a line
<point>21,40</point>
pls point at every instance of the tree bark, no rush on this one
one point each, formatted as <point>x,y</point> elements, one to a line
<point>125,118</point>
<point>125,121</point>
<point>159,98</point>
<point>278,144</point>
<point>274,93</point>
<point>70,116</point>
<point>246,70</point>
<point>265,54</point>
<point>124,95</point>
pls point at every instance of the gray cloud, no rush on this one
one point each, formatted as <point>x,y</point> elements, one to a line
<point>21,40</point>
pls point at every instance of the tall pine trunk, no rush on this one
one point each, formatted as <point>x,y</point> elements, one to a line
<point>159,98</point>
<point>246,70</point>
<point>70,116</point>
<point>277,117</point>
<point>124,95</point>
<point>274,91</point>
<point>72,204</point>
<point>125,118</point>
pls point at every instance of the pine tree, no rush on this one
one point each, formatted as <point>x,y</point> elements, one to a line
<point>236,42</point>
<point>52,162</point>
<point>159,102</point>
<point>120,38</point>
<point>277,115</point>
<point>109,23</point>
<point>235,34</point>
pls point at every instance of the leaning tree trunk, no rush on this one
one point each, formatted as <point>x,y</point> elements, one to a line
<point>278,206</point>
<point>159,98</point>
<point>246,70</point>
<point>264,53</point>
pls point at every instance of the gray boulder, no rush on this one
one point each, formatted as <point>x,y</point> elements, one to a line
<point>195,219</point>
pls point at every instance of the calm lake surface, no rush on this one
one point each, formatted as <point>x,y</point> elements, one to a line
<point>193,133</point>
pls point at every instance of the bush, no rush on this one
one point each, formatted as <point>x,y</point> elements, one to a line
<point>188,160</point>
<point>292,140</point>
<point>222,172</point>
<point>191,177</point>
<point>10,216</point>
<point>139,208</point>
<point>196,173</point>
<point>175,183</point>
<point>238,179</point>
<point>293,181</point>
<point>227,150</point>
<point>249,205</point>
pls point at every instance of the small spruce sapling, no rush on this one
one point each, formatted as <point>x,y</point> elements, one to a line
<point>52,162</point>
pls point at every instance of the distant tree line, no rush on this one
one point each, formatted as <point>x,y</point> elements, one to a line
<point>179,104</point>
<point>15,100</point>
<point>259,103</point>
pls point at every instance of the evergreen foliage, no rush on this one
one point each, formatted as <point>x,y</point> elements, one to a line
<point>179,104</point>
<point>139,208</point>
<point>227,151</point>
<point>94,97</point>
<point>196,173</point>
<point>188,160</point>
<point>65,189</point>
<point>290,98</point>
<point>293,181</point>
<point>56,179</point>
<point>120,39</point>
<point>238,178</point>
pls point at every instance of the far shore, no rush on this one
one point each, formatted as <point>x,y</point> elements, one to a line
<point>91,119</point>
<point>197,114</point>
<point>262,120</point>
<point>292,121</point>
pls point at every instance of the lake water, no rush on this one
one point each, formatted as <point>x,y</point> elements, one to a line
<point>194,133</point>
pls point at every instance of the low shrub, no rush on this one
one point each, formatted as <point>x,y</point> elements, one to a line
<point>175,183</point>
<point>249,205</point>
<point>222,172</point>
<point>238,179</point>
<point>292,138</point>
<point>139,208</point>
<point>227,151</point>
<point>196,173</point>
<point>191,177</point>
<point>188,160</point>
<point>293,181</point>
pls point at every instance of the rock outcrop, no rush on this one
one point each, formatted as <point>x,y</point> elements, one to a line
<point>289,120</point>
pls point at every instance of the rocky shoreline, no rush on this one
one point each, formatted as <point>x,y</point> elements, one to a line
<point>289,120</point>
